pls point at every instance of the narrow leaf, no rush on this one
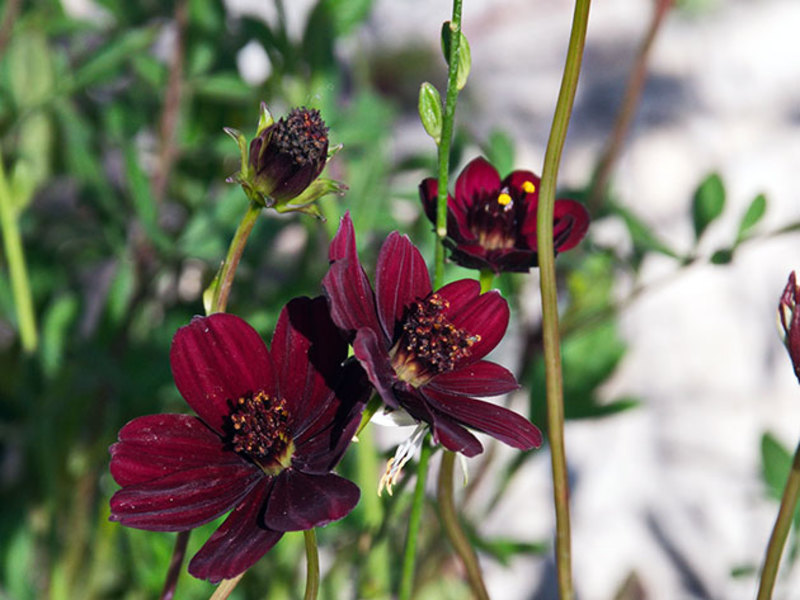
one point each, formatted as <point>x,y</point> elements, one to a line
<point>464,54</point>
<point>708,203</point>
<point>754,213</point>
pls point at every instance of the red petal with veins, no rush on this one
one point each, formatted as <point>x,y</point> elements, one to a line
<point>401,278</point>
<point>216,360</point>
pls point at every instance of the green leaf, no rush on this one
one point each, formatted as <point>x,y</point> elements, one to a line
<point>776,461</point>
<point>430,111</point>
<point>644,240</point>
<point>30,68</point>
<point>223,86</point>
<point>500,151</point>
<point>346,14</point>
<point>464,55</point>
<point>754,213</point>
<point>107,61</point>
<point>55,325</point>
<point>722,256</point>
<point>708,203</point>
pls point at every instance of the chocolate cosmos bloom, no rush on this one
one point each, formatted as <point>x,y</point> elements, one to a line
<point>491,224</point>
<point>789,319</point>
<point>423,350</point>
<point>271,425</point>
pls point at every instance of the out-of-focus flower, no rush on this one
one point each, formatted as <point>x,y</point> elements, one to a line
<point>423,350</point>
<point>789,319</point>
<point>281,166</point>
<point>271,426</point>
<point>491,223</point>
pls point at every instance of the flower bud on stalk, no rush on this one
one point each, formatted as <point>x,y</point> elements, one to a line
<point>281,165</point>
<point>789,319</point>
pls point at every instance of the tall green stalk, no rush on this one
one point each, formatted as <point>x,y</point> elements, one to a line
<point>18,271</point>
<point>312,565</point>
<point>547,271</point>
<point>414,520</point>
<point>781,530</point>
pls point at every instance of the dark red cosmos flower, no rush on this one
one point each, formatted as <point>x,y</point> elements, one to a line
<point>271,425</point>
<point>423,350</point>
<point>491,224</point>
<point>789,319</point>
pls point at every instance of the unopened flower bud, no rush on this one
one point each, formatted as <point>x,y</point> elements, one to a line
<point>789,320</point>
<point>280,169</point>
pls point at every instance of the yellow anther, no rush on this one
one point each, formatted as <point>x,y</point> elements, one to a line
<point>504,199</point>
<point>528,187</point>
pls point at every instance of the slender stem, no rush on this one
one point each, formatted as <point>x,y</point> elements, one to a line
<point>225,587</point>
<point>449,517</point>
<point>446,142</point>
<point>486,279</point>
<point>228,271</point>
<point>781,530</point>
<point>633,93</point>
<point>312,565</point>
<point>175,563</point>
<point>18,272</point>
<point>414,520</point>
<point>547,270</point>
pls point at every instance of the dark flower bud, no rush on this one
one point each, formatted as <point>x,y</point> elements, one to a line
<point>789,319</point>
<point>281,166</point>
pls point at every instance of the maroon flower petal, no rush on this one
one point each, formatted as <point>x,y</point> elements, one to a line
<point>485,316</point>
<point>154,446</point>
<point>515,179</point>
<point>570,224</point>
<point>483,378</point>
<point>321,446</point>
<point>459,294</point>
<point>352,301</point>
<point>301,501</point>
<point>454,437</point>
<point>401,277</point>
<point>307,350</point>
<point>374,357</point>
<point>216,360</point>
<point>185,499</point>
<point>479,178</point>
<point>457,227</point>
<point>501,423</point>
<point>239,542</point>
<point>429,194</point>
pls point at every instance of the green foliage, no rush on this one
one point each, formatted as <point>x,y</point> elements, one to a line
<point>430,111</point>
<point>708,203</point>
<point>464,54</point>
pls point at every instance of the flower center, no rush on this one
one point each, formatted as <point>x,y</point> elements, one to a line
<point>495,219</point>
<point>258,430</point>
<point>429,343</point>
<point>303,135</point>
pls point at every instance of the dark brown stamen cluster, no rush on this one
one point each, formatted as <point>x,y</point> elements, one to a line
<point>429,342</point>
<point>303,135</point>
<point>259,427</point>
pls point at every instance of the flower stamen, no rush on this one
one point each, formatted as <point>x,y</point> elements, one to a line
<point>259,431</point>
<point>528,187</point>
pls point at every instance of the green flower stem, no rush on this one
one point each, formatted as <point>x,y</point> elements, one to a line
<point>224,280</point>
<point>414,519</point>
<point>781,530</point>
<point>486,279</point>
<point>446,142</point>
<point>449,517</point>
<point>18,272</point>
<point>547,270</point>
<point>312,565</point>
<point>225,587</point>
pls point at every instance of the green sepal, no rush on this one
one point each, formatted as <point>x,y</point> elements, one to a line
<point>212,290</point>
<point>304,203</point>
<point>264,119</point>
<point>239,138</point>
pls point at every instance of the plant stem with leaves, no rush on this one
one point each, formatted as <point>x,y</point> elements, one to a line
<point>552,349</point>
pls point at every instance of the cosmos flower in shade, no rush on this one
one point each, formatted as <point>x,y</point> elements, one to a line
<point>270,427</point>
<point>789,321</point>
<point>491,223</point>
<point>422,349</point>
<point>281,165</point>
